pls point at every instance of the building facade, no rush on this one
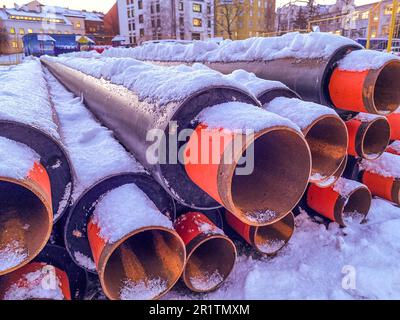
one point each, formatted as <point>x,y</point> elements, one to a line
<point>144,20</point>
<point>35,17</point>
<point>342,18</point>
<point>241,19</point>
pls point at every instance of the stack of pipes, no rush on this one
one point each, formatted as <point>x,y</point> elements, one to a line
<point>242,140</point>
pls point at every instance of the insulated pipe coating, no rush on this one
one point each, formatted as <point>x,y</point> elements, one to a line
<point>326,135</point>
<point>122,111</point>
<point>131,120</point>
<point>152,252</point>
<point>26,217</point>
<point>211,255</point>
<point>266,239</point>
<point>368,138</point>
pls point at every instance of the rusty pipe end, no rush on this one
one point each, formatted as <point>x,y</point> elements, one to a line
<point>144,265</point>
<point>336,175</point>
<point>210,261</point>
<point>357,206</point>
<point>26,219</point>
<point>386,92</point>
<point>327,138</point>
<point>272,238</point>
<point>368,139</point>
<point>369,91</point>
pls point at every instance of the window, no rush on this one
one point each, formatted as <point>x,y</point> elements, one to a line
<point>14,44</point>
<point>365,15</point>
<point>197,7</point>
<point>141,19</point>
<point>141,32</point>
<point>158,9</point>
<point>78,25</point>
<point>180,7</point>
<point>196,36</point>
<point>209,24</point>
<point>140,4</point>
<point>197,22</point>
<point>12,30</point>
<point>22,31</point>
<point>30,31</point>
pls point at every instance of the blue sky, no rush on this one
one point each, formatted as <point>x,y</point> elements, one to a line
<point>105,5</point>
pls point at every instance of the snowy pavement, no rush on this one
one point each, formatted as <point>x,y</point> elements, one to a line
<point>358,262</point>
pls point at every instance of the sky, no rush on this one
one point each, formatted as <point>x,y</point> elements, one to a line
<point>105,5</point>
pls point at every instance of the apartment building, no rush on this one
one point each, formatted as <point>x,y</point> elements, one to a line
<point>35,17</point>
<point>144,20</point>
<point>241,19</point>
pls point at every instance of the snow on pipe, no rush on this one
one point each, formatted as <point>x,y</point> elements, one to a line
<point>257,195</point>
<point>369,136</point>
<point>127,231</point>
<point>323,130</point>
<point>394,148</point>
<point>382,176</point>
<point>266,239</point>
<point>394,122</point>
<point>27,117</point>
<point>345,201</point>
<point>211,255</point>
<point>26,217</point>
<point>51,276</point>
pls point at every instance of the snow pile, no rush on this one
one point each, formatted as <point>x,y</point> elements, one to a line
<point>345,187</point>
<point>124,210</point>
<point>291,45</point>
<point>367,117</point>
<point>207,282</point>
<point>12,255</point>
<point>85,261</point>
<point>395,146</point>
<point>34,285</point>
<point>357,262</point>
<point>142,290</point>
<point>93,54</point>
<point>302,113</point>
<point>243,118</point>
<point>94,152</point>
<point>253,84</point>
<point>271,246</point>
<point>25,98</point>
<point>150,82</point>
<point>388,165</point>
<point>16,159</point>
<point>362,60</point>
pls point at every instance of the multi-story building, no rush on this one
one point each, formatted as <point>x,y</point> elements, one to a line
<point>343,18</point>
<point>241,19</point>
<point>35,17</point>
<point>144,20</point>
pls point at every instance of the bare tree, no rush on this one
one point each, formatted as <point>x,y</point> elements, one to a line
<point>227,14</point>
<point>3,38</point>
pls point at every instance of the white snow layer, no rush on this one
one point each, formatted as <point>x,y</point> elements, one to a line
<point>94,152</point>
<point>291,45</point>
<point>357,262</point>
<point>31,287</point>
<point>150,82</point>
<point>243,118</point>
<point>345,186</point>
<point>395,146</point>
<point>142,290</point>
<point>388,165</point>
<point>124,210</point>
<point>362,60</point>
<point>302,113</point>
<point>12,255</point>
<point>16,159</point>
<point>85,261</point>
<point>367,117</point>
<point>25,98</point>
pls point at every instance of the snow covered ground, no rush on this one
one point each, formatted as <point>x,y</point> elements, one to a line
<point>11,59</point>
<point>357,262</point>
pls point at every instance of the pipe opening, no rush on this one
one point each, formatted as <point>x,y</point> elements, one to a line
<point>272,238</point>
<point>210,264</point>
<point>376,139</point>
<point>357,206</point>
<point>386,92</point>
<point>25,225</point>
<point>328,141</point>
<point>145,266</point>
<point>281,172</point>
